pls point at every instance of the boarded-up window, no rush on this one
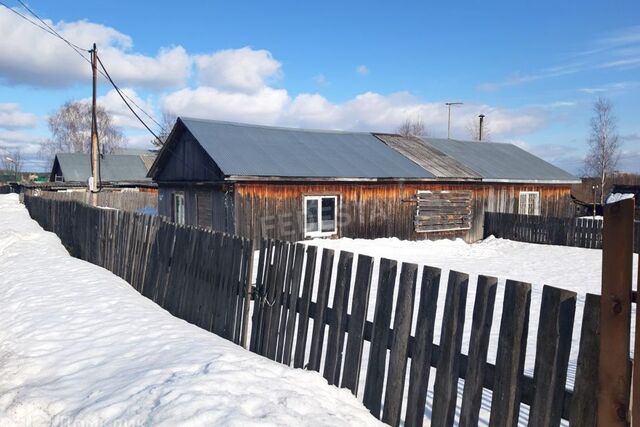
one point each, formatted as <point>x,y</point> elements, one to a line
<point>204,209</point>
<point>443,211</point>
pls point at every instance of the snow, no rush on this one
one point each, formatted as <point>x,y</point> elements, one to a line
<point>575,269</point>
<point>79,346</point>
<point>616,197</point>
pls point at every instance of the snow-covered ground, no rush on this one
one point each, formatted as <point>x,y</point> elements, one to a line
<point>575,269</point>
<point>79,346</point>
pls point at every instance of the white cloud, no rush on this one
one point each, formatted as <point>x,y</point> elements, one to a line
<point>321,79</point>
<point>12,118</point>
<point>362,70</point>
<point>122,116</point>
<point>33,57</point>
<point>245,70</point>
<point>27,143</point>
<point>611,87</point>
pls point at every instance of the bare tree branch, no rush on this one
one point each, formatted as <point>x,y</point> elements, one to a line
<point>473,128</point>
<point>604,144</point>
<point>70,129</point>
<point>167,123</point>
<point>412,127</point>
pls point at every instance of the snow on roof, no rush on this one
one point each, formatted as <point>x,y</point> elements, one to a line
<point>81,347</point>
<point>616,197</point>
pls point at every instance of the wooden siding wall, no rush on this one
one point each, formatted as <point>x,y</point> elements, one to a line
<point>210,206</point>
<point>188,162</point>
<point>372,210</point>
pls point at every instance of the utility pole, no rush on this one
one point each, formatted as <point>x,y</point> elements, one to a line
<point>95,149</point>
<point>449,104</point>
<point>481,116</point>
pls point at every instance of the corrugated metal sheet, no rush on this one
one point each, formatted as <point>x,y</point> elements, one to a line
<point>76,167</point>
<point>431,159</point>
<point>249,150</point>
<point>501,162</point>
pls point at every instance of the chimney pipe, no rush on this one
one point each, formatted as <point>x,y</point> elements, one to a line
<point>481,116</point>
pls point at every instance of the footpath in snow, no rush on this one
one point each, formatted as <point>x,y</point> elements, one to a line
<point>79,346</point>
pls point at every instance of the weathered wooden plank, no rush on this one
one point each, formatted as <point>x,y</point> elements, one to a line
<point>615,313</point>
<point>584,402</point>
<point>422,353</point>
<point>553,346</point>
<point>303,322</point>
<point>445,390</point>
<point>317,337</point>
<point>478,346</point>
<point>336,324</point>
<point>512,344</point>
<point>283,299</point>
<point>372,398</point>
<point>296,277</point>
<point>260,291</point>
<point>399,344</point>
<point>353,353</point>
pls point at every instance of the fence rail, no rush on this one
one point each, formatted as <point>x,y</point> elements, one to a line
<point>157,258</point>
<point>308,316</point>
<point>132,201</point>
<point>579,232</point>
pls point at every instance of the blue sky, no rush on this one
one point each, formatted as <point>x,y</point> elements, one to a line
<point>532,68</point>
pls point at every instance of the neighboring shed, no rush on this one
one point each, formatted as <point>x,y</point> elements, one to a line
<point>114,168</point>
<point>259,181</point>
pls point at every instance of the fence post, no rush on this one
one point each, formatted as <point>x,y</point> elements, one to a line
<point>615,314</point>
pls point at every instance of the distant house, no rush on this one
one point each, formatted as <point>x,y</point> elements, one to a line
<point>259,181</point>
<point>120,170</point>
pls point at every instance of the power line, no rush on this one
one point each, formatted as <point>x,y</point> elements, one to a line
<point>125,101</point>
<point>76,48</point>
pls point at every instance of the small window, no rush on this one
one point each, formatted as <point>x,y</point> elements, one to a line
<point>178,208</point>
<point>529,203</point>
<point>320,215</point>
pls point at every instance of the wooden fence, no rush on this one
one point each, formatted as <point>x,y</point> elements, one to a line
<point>281,330</point>
<point>132,201</point>
<point>157,258</point>
<point>580,232</point>
<point>305,321</point>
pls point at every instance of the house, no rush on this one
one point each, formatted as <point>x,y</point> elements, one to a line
<point>259,181</point>
<point>121,170</point>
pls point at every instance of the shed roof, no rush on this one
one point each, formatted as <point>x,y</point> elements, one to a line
<point>496,162</point>
<point>430,158</point>
<point>261,151</point>
<point>76,167</point>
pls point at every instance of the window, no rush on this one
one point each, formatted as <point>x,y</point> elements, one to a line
<point>320,215</point>
<point>177,212</point>
<point>529,203</point>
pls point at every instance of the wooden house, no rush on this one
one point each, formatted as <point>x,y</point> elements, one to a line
<point>292,184</point>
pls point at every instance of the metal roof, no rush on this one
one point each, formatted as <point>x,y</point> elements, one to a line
<point>430,158</point>
<point>248,150</point>
<point>76,167</point>
<point>498,162</point>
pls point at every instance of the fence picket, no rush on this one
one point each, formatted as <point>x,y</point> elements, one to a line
<point>400,344</point>
<point>378,352</point>
<point>552,355</point>
<point>512,344</point>
<point>445,390</point>
<point>303,322</point>
<point>324,284</point>
<point>478,346</point>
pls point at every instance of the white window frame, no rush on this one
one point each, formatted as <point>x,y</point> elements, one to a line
<point>523,208</point>
<point>319,232</point>
<point>178,217</point>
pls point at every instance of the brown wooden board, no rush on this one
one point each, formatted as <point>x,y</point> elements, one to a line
<point>445,390</point>
<point>372,398</point>
<point>353,353</point>
<point>553,346</point>
<point>422,353</point>
<point>399,344</point>
<point>512,344</point>
<point>478,346</point>
<point>338,320</point>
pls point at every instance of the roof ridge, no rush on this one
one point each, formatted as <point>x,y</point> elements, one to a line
<point>292,129</point>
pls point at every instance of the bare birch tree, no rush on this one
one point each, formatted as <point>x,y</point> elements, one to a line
<point>166,125</point>
<point>412,127</point>
<point>604,144</point>
<point>70,129</point>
